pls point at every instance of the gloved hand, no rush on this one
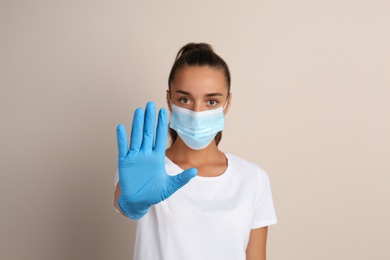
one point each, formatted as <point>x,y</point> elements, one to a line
<point>142,177</point>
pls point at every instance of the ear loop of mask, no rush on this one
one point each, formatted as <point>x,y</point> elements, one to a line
<point>227,102</point>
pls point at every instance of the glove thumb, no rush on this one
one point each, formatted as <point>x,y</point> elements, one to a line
<point>188,174</point>
<point>181,179</point>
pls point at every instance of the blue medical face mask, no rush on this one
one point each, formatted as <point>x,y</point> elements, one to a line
<point>197,129</point>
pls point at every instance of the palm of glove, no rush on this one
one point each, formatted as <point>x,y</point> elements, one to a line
<point>142,177</point>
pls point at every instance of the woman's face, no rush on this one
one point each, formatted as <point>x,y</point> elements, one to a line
<point>199,89</point>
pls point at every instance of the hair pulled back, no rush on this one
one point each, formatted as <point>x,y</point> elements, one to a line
<point>198,55</point>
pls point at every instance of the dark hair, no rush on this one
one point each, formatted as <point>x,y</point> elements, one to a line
<point>198,55</point>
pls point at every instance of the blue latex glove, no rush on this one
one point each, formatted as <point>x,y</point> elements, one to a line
<point>142,177</point>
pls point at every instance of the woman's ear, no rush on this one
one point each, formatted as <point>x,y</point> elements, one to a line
<point>229,102</point>
<point>169,100</point>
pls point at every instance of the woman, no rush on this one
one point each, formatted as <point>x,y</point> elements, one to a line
<point>221,205</point>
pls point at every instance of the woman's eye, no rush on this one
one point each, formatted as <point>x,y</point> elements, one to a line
<point>212,102</point>
<point>184,100</point>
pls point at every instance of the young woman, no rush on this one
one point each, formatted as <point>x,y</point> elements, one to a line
<point>192,201</point>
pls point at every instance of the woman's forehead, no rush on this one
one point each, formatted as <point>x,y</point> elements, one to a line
<point>199,80</point>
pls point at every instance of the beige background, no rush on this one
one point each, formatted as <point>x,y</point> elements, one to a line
<point>311,91</point>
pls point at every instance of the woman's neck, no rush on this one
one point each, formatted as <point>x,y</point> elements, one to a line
<point>180,153</point>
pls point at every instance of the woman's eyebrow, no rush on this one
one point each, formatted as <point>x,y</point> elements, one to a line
<point>183,92</point>
<point>213,94</point>
<point>207,95</point>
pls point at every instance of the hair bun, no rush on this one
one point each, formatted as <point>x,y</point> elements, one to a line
<point>194,47</point>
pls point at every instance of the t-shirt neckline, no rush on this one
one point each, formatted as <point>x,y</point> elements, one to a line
<point>204,178</point>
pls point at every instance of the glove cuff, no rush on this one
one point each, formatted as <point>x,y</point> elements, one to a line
<point>132,210</point>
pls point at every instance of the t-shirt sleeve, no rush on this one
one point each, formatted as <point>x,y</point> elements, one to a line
<point>264,214</point>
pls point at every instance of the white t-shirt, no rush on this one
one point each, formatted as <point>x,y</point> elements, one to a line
<point>210,218</point>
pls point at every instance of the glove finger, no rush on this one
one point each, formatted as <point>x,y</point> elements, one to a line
<point>121,138</point>
<point>136,130</point>
<point>162,132</point>
<point>181,179</point>
<point>149,125</point>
